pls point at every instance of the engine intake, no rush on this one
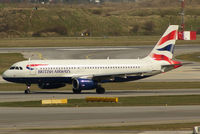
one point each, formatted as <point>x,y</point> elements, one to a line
<point>84,84</point>
<point>50,85</point>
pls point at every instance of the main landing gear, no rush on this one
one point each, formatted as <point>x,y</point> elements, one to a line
<point>100,90</point>
<point>76,91</point>
<point>28,91</point>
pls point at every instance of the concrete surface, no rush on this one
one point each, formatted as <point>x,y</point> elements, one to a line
<point>22,118</point>
<point>9,96</point>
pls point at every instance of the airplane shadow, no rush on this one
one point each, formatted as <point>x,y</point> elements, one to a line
<point>54,92</point>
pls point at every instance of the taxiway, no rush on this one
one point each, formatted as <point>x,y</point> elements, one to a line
<point>11,96</point>
<point>24,118</point>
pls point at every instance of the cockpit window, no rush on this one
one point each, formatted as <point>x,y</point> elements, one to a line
<point>16,68</point>
<point>12,68</point>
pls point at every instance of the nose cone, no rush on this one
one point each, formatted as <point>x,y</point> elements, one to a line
<point>5,74</point>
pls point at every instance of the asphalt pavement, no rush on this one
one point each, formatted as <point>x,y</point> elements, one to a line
<point>27,118</point>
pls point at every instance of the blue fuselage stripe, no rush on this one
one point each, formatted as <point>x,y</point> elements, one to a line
<point>36,80</point>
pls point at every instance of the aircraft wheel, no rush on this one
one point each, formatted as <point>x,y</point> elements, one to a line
<point>100,90</point>
<point>27,91</point>
<point>76,91</point>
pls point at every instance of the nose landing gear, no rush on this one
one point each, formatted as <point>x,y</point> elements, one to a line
<point>28,91</point>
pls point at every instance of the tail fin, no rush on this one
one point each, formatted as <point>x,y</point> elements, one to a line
<point>164,49</point>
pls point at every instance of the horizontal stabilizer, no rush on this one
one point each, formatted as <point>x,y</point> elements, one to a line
<point>171,65</point>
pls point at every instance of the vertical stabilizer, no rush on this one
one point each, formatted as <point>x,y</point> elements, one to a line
<point>164,49</point>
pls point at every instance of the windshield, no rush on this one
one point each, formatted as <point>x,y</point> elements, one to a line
<point>16,68</point>
<point>12,68</point>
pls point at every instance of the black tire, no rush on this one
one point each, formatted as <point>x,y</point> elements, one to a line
<point>76,91</point>
<point>27,91</point>
<point>100,90</point>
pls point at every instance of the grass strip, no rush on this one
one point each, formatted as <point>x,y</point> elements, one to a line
<point>190,57</point>
<point>88,41</point>
<point>123,101</point>
<point>7,59</point>
<point>112,86</point>
<point>107,20</point>
<point>154,127</point>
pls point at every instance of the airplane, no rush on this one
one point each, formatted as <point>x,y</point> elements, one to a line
<point>88,74</point>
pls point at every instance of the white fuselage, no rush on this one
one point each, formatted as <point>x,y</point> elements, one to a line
<point>85,68</point>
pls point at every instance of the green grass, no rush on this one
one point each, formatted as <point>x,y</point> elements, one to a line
<point>7,59</point>
<point>123,101</point>
<point>115,22</point>
<point>190,57</point>
<point>74,42</point>
<point>77,42</point>
<point>64,20</point>
<point>112,86</point>
<point>154,127</point>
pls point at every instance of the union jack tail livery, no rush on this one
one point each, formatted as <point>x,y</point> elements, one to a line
<point>164,49</point>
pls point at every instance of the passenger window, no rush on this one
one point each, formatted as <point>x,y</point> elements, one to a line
<point>17,68</point>
<point>20,68</point>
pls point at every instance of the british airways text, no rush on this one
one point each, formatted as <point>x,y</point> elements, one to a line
<point>52,71</point>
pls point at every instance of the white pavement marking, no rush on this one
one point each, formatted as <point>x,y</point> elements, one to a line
<point>92,49</point>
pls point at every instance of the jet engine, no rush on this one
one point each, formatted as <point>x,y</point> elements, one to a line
<point>83,84</point>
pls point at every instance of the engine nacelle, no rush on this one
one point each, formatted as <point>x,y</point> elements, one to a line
<point>50,85</point>
<point>84,84</point>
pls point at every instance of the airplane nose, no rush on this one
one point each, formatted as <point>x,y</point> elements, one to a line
<point>5,74</point>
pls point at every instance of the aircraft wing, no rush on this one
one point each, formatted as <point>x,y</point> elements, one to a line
<point>111,76</point>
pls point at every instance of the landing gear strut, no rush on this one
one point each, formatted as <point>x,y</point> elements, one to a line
<point>100,90</point>
<point>76,91</point>
<point>28,91</point>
